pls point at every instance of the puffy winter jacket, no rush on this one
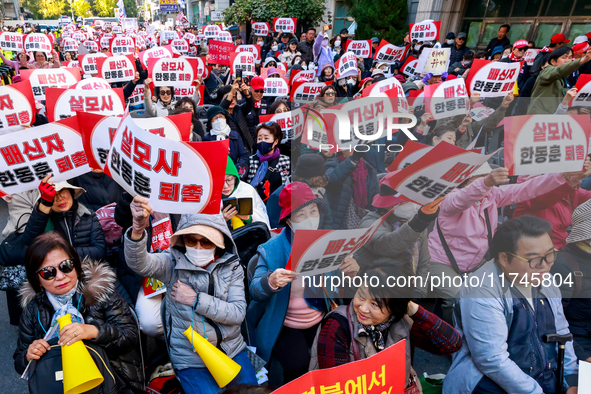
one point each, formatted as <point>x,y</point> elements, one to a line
<point>322,55</point>
<point>100,188</point>
<point>100,305</point>
<point>221,305</point>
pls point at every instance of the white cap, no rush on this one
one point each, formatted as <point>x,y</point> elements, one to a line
<point>580,39</point>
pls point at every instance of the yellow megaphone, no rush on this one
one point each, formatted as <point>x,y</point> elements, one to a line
<point>222,367</point>
<point>236,222</point>
<point>80,372</point>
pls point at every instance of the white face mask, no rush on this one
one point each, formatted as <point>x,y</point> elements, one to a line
<point>200,257</point>
<point>304,66</point>
<point>260,43</point>
<point>406,211</point>
<point>310,223</point>
<point>337,43</point>
<point>274,47</point>
<point>219,124</point>
<point>449,42</point>
<point>351,81</point>
<point>342,82</point>
<point>417,47</point>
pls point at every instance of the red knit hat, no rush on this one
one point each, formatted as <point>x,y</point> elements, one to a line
<point>297,195</point>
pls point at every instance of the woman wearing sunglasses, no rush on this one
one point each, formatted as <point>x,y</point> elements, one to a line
<point>205,283</point>
<point>165,100</point>
<point>58,283</point>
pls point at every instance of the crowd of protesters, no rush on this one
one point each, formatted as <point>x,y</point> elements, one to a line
<point>228,276</point>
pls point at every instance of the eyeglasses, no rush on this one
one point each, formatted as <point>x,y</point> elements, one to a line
<point>192,241</point>
<point>259,91</point>
<point>166,92</point>
<point>229,181</point>
<point>331,93</point>
<point>268,124</point>
<point>49,273</point>
<point>536,262</point>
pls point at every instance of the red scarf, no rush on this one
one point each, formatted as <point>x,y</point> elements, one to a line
<point>545,49</point>
<point>514,58</point>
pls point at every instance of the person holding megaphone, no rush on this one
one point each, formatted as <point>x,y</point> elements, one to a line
<point>60,285</point>
<point>205,292</point>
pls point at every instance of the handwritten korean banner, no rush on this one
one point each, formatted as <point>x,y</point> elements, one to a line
<point>433,60</point>
<point>219,52</point>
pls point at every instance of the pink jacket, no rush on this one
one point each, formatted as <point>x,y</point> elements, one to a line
<point>557,207</point>
<point>462,222</point>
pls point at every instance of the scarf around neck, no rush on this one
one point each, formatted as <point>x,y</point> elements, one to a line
<point>359,178</point>
<point>376,333</point>
<point>62,304</point>
<point>221,134</point>
<point>263,166</point>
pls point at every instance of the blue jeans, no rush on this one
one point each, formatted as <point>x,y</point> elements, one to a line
<point>200,380</point>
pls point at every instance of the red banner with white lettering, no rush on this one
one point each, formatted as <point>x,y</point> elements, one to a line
<point>219,52</point>
<point>492,79</point>
<point>425,31</point>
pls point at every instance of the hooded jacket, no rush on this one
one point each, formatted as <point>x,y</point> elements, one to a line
<point>100,305</point>
<point>221,305</point>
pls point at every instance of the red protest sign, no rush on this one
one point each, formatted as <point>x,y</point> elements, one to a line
<point>583,97</point>
<point>155,52</point>
<point>175,176</point>
<point>446,99</point>
<point>346,65</point>
<point>412,152</point>
<point>388,53</point>
<point>243,61</point>
<point>306,92</point>
<point>63,103</point>
<point>309,75</point>
<point>42,78</point>
<point>315,132</point>
<point>539,144</point>
<point>116,68</point>
<point>285,24</point>
<point>211,32</point>
<point>28,155</point>
<point>384,372</point>
<point>11,41</point>
<point>88,62</point>
<point>173,72</point>
<point>219,52</point>
<point>409,66</point>
<point>435,174</point>
<point>260,28</point>
<point>291,123</point>
<point>38,42</point>
<point>384,88</point>
<point>254,49</point>
<point>425,31</point>
<point>492,79</point>
<point>137,96</point>
<point>17,105</point>
<point>180,45</point>
<point>361,48</point>
<point>122,46</point>
<point>98,132</point>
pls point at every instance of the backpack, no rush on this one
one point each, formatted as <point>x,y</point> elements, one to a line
<point>44,373</point>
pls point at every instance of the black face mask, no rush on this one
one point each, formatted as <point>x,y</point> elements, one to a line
<point>265,147</point>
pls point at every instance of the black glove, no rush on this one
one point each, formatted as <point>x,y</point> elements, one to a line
<point>357,156</point>
<point>425,216</point>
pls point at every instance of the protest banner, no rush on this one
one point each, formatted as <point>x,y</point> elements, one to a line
<point>175,176</point>
<point>306,92</point>
<point>315,131</point>
<point>346,65</point>
<point>42,78</point>
<point>243,61</point>
<point>219,52</point>
<point>92,83</point>
<point>98,132</point>
<point>276,87</point>
<point>409,67</point>
<point>388,53</point>
<point>583,97</point>
<point>481,113</point>
<point>63,103</point>
<point>380,88</point>
<point>254,49</point>
<point>260,29</point>
<point>540,144</point>
<point>91,45</point>
<point>166,36</point>
<point>416,99</point>
<point>180,45</point>
<point>79,36</point>
<point>190,37</point>
<point>225,36</point>
<point>29,155</point>
<point>37,42</point>
<point>189,91</point>
<point>427,30</point>
<point>446,99</point>
<point>308,75</point>
<point>316,252</point>
<point>435,174</point>
<point>211,32</point>
<point>11,41</point>
<point>105,42</point>
<point>116,68</point>
<point>382,373</point>
<point>117,29</point>
<point>492,79</point>
<point>88,62</point>
<point>173,72</point>
<point>361,48</point>
<point>17,105</point>
<point>140,43</point>
<point>264,71</point>
<point>122,46</point>
<point>155,52</point>
<point>137,96</point>
<point>72,64</point>
<point>413,151</point>
<point>291,123</point>
<point>285,25</point>
<point>434,61</point>
<point>69,45</point>
<point>530,56</point>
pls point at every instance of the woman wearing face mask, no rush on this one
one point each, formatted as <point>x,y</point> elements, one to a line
<point>268,168</point>
<point>40,60</point>
<point>235,188</point>
<point>218,129</point>
<point>442,133</point>
<point>336,43</point>
<point>205,290</point>
<point>290,52</point>
<point>274,50</point>
<point>323,53</point>
<point>285,313</point>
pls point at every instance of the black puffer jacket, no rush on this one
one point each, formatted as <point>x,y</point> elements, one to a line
<point>238,121</point>
<point>101,190</point>
<point>100,306</point>
<point>339,190</point>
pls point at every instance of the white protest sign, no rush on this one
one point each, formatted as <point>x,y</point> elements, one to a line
<point>276,87</point>
<point>291,123</point>
<point>17,105</point>
<point>409,67</point>
<point>137,96</point>
<point>434,61</point>
<point>123,46</point>
<point>93,83</point>
<point>492,79</point>
<point>176,72</point>
<point>530,56</point>
<point>42,78</point>
<point>243,61</point>
<point>11,41</point>
<point>116,68</point>
<point>190,37</point>
<point>155,52</point>
<point>481,113</point>
<point>180,45</point>
<point>346,65</point>
<point>63,103</point>
<point>38,42</point>
<point>91,45</point>
<point>447,99</point>
<point>69,45</point>
<point>584,377</point>
<point>284,24</point>
<point>88,62</point>
<point>427,30</point>
<point>260,28</point>
<point>211,32</point>
<point>361,48</point>
<point>384,88</point>
<point>225,36</point>
<point>254,49</point>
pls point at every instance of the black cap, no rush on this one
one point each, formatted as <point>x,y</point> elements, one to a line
<point>344,31</point>
<point>285,35</point>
